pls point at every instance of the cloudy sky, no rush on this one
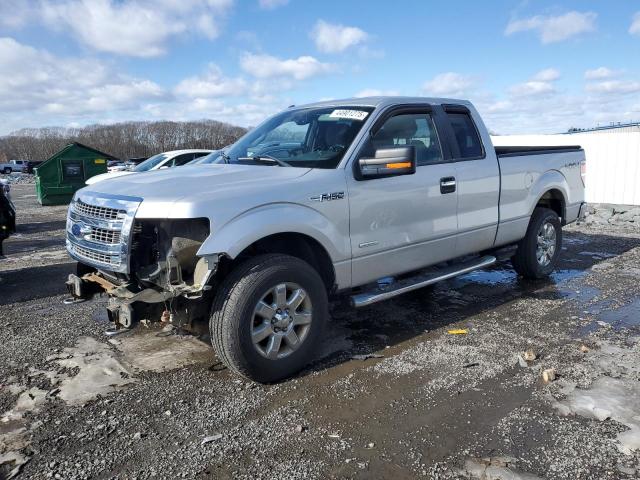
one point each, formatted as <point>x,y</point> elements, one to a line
<point>529,66</point>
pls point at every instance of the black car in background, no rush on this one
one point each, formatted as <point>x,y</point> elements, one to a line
<point>7,217</point>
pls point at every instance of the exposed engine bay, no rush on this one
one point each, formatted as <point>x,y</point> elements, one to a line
<point>165,274</point>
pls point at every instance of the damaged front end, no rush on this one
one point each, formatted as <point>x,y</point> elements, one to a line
<point>146,266</point>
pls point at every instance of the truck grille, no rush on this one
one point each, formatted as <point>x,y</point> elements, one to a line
<point>92,256</point>
<point>98,230</point>
<point>93,211</point>
<point>102,235</point>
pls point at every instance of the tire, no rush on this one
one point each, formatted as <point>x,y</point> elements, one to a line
<point>7,170</point>
<point>526,259</point>
<point>235,323</point>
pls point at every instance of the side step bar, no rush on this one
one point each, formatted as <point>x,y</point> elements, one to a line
<point>419,281</point>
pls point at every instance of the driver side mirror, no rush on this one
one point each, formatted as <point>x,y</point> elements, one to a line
<point>389,162</point>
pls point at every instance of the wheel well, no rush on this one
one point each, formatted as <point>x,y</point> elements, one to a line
<point>295,244</point>
<point>554,200</point>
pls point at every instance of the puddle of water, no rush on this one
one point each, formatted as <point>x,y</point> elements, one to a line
<point>582,294</point>
<point>490,277</point>
<point>598,255</point>
<point>569,240</point>
<point>627,316</point>
<point>561,276</point>
<point>624,317</point>
<point>506,276</point>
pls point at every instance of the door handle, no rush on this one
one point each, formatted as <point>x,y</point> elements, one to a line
<point>447,185</point>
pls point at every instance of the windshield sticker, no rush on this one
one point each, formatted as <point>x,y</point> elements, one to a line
<point>350,114</point>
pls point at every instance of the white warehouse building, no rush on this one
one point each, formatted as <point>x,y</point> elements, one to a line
<point>613,159</point>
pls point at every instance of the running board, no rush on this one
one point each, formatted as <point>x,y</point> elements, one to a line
<point>419,281</point>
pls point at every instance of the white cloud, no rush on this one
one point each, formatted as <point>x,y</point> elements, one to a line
<point>140,28</point>
<point>42,84</point>
<point>211,84</point>
<point>541,84</point>
<point>557,28</point>
<point>16,13</point>
<point>532,88</point>
<point>271,4</point>
<point>334,38</point>
<point>449,84</point>
<point>600,73</point>
<point>374,92</point>
<point>614,87</point>
<point>267,66</point>
<point>634,29</point>
<point>547,75</point>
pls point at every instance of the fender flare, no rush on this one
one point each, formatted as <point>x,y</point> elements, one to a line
<point>550,180</point>
<point>260,222</point>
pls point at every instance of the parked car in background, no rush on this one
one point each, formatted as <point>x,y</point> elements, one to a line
<point>323,198</point>
<point>175,158</point>
<point>116,166</point>
<point>212,157</point>
<point>7,214</point>
<point>13,166</point>
<point>132,163</point>
<point>31,166</point>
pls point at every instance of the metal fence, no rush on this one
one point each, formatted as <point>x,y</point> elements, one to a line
<point>613,161</point>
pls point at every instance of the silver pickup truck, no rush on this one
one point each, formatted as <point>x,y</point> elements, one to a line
<point>318,200</point>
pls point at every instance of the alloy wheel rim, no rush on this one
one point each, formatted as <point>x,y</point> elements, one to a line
<point>546,244</point>
<point>281,320</point>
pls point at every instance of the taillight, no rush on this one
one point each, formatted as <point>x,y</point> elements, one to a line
<point>583,171</point>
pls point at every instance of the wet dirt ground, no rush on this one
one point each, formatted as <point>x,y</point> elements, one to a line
<point>392,395</point>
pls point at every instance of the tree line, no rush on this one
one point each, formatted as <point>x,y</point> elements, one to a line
<point>122,140</point>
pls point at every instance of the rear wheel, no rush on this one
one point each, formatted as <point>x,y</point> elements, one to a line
<point>268,317</point>
<point>7,170</point>
<point>538,251</point>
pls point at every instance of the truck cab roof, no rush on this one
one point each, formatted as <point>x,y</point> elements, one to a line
<point>384,101</point>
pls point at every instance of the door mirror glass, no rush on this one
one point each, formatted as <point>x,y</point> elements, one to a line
<point>388,162</point>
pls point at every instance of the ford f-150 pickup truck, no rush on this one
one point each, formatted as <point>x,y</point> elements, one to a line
<point>318,200</point>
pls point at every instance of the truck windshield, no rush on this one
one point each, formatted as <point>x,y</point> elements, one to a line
<point>309,138</point>
<point>149,163</point>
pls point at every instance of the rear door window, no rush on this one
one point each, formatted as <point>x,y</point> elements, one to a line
<point>466,135</point>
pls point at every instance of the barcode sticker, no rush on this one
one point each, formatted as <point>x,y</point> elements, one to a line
<point>350,114</point>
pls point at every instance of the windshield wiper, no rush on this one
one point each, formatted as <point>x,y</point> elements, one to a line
<point>264,159</point>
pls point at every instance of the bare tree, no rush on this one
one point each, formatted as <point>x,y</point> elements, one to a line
<point>122,140</point>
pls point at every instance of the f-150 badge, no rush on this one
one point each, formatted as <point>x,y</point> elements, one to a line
<point>327,197</point>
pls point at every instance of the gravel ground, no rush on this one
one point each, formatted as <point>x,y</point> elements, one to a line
<point>392,395</point>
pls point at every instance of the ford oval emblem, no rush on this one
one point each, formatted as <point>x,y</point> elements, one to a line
<point>76,230</point>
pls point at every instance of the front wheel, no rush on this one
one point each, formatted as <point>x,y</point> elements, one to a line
<point>538,251</point>
<point>268,317</point>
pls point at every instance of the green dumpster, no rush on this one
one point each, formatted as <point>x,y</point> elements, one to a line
<point>58,178</point>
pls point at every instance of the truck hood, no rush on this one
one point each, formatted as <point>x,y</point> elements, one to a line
<point>167,186</point>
